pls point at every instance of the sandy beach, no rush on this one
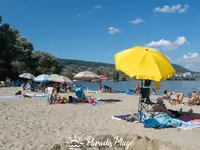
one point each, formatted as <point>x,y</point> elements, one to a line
<point>32,124</point>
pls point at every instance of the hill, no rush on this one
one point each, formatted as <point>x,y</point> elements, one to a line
<point>66,62</point>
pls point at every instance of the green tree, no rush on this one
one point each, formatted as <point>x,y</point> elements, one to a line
<point>46,63</point>
<point>116,76</point>
<point>13,48</point>
<point>69,75</point>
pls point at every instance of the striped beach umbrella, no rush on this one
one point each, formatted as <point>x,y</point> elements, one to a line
<point>86,75</point>
<point>42,78</point>
<point>60,79</point>
<point>102,77</point>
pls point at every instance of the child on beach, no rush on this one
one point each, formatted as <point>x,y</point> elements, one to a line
<point>51,91</point>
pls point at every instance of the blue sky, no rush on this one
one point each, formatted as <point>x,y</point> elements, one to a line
<point>95,30</point>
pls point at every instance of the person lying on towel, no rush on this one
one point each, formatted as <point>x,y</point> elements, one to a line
<point>20,93</point>
<point>160,107</point>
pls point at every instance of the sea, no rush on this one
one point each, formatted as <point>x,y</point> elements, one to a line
<point>172,86</point>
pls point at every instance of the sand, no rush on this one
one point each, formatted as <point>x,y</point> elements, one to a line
<point>32,124</point>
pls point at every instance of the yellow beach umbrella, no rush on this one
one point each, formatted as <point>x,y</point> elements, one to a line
<point>144,63</point>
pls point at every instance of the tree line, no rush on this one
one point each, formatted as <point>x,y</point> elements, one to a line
<point>17,55</point>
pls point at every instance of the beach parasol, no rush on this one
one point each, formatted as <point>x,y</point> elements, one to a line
<point>42,78</point>
<point>86,75</point>
<point>60,79</point>
<point>27,76</point>
<point>102,77</point>
<point>144,64</point>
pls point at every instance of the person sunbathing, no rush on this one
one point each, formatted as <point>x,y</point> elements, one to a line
<point>173,97</point>
<point>176,98</point>
<point>19,93</point>
<point>160,107</point>
<point>193,99</point>
<point>167,95</point>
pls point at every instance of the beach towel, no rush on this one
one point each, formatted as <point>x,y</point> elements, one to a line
<point>189,125</point>
<point>36,95</point>
<point>100,103</point>
<point>190,117</point>
<point>115,91</point>
<point>13,97</point>
<point>120,117</point>
<point>160,121</point>
<point>130,92</point>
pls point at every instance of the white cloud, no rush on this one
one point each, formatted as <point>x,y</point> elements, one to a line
<point>172,9</point>
<point>190,61</point>
<point>168,45</point>
<point>113,30</point>
<point>97,6</point>
<point>190,57</point>
<point>137,21</point>
<point>90,11</point>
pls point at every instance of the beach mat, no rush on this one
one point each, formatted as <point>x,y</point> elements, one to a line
<point>116,91</point>
<point>120,117</point>
<point>21,96</point>
<point>12,97</point>
<point>190,117</point>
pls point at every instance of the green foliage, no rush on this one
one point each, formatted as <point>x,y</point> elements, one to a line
<point>46,63</point>
<point>17,54</point>
<point>66,62</point>
<point>116,76</point>
<point>69,75</point>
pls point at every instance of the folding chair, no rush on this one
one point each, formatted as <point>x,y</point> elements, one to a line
<point>145,104</point>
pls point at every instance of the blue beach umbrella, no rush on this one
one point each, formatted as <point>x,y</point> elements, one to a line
<point>42,78</point>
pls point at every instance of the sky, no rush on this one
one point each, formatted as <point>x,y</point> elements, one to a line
<point>95,30</point>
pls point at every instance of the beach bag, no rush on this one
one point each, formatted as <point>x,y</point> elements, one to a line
<point>18,93</point>
<point>71,100</point>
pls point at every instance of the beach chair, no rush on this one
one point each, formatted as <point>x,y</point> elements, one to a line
<point>80,93</point>
<point>80,96</point>
<point>145,104</point>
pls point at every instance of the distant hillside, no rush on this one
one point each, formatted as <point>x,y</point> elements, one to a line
<point>178,68</point>
<point>84,63</point>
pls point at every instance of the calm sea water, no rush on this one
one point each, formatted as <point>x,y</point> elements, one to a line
<point>175,86</point>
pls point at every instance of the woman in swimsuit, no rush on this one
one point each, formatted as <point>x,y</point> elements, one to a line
<point>193,99</point>
<point>176,98</point>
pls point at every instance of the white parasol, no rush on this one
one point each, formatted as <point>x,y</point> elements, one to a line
<point>27,76</point>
